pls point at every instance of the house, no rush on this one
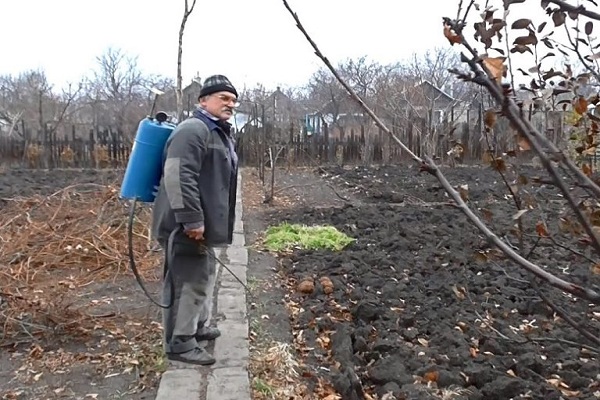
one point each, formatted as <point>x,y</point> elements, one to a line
<point>338,126</point>
<point>421,98</point>
<point>427,99</point>
<point>280,112</point>
<point>167,102</point>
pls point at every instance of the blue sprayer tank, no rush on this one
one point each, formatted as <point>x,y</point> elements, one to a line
<point>144,168</point>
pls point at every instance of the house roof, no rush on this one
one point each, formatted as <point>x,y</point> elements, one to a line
<point>425,82</point>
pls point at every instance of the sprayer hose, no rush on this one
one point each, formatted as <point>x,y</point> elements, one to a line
<point>168,259</point>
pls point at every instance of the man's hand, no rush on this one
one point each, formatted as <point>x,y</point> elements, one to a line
<point>196,234</point>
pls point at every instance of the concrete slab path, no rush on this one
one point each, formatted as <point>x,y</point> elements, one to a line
<point>228,378</point>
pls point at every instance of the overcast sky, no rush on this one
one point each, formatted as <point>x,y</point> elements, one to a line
<point>249,41</point>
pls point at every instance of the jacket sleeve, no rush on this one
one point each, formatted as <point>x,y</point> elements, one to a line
<point>182,167</point>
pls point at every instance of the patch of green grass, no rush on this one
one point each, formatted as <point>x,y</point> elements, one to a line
<point>287,236</point>
<point>253,283</point>
<point>263,387</point>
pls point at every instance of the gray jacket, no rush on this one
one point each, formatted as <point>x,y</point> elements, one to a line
<point>198,185</point>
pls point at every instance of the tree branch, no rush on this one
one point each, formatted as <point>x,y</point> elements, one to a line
<point>429,166</point>
<point>535,138</point>
<point>578,9</point>
<point>563,314</point>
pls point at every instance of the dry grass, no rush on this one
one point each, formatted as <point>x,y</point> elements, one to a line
<point>275,372</point>
<point>57,255</point>
<point>51,246</point>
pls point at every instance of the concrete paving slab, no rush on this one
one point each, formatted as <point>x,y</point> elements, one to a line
<point>232,304</point>
<point>237,255</point>
<point>180,384</point>
<point>229,383</point>
<point>229,281</point>
<point>238,227</point>
<point>232,348</point>
<point>239,240</point>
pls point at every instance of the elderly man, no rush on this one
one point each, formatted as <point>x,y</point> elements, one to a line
<point>196,201</point>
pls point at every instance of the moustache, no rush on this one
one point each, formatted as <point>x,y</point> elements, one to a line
<point>228,109</point>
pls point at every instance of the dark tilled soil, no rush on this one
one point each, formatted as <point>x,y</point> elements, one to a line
<point>27,182</point>
<point>426,305</point>
<point>44,376</point>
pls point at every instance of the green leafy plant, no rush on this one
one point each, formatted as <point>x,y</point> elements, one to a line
<point>288,236</point>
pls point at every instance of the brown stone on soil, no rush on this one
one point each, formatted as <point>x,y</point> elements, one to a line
<point>327,285</point>
<point>307,286</point>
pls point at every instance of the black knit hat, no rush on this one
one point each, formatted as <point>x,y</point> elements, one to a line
<point>217,83</point>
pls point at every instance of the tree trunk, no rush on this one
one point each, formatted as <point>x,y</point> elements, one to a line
<point>179,91</point>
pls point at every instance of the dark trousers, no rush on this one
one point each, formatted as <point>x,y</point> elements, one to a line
<point>193,271</point>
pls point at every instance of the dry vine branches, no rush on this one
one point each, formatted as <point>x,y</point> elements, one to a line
<point>53,246</point>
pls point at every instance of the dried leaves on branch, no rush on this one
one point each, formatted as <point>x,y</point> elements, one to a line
<point>549,89</point>
<point>493,69</point>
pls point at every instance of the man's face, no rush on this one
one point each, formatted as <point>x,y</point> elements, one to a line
<point>220,104</point>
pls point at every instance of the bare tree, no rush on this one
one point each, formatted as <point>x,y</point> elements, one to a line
<point>117,94</point>
<point>28,100</point>
<point>186,14</point>
<point>325,95</point>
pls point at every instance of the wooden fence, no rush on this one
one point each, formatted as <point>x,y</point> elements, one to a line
<point>357,144</point>
<point>366,144</point>
<point>96,148</point>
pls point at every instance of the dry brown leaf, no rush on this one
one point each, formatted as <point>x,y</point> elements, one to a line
<point>519,214</point>
<point>463,326</point>
<point>541,229</point>
<point>452,37</point>
<point>487,214</point>
<point>432,376</point>
<point>563,387</point>
<point>496,67</point>
<point>458,293</point>
<point>463,191</point>
<point>499,165</point>
<point>489,119</point>
<point>324,342</point>
<point>590,151</point>
<point>580,105</point>
<point>473,352</point>
<point>523,143</point>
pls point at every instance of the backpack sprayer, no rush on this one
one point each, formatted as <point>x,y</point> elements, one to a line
<point>141,180</point>
<point>142,177</point>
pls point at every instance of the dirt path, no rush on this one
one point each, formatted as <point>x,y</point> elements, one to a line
<point>423,307</point>
<point>272,341</point>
